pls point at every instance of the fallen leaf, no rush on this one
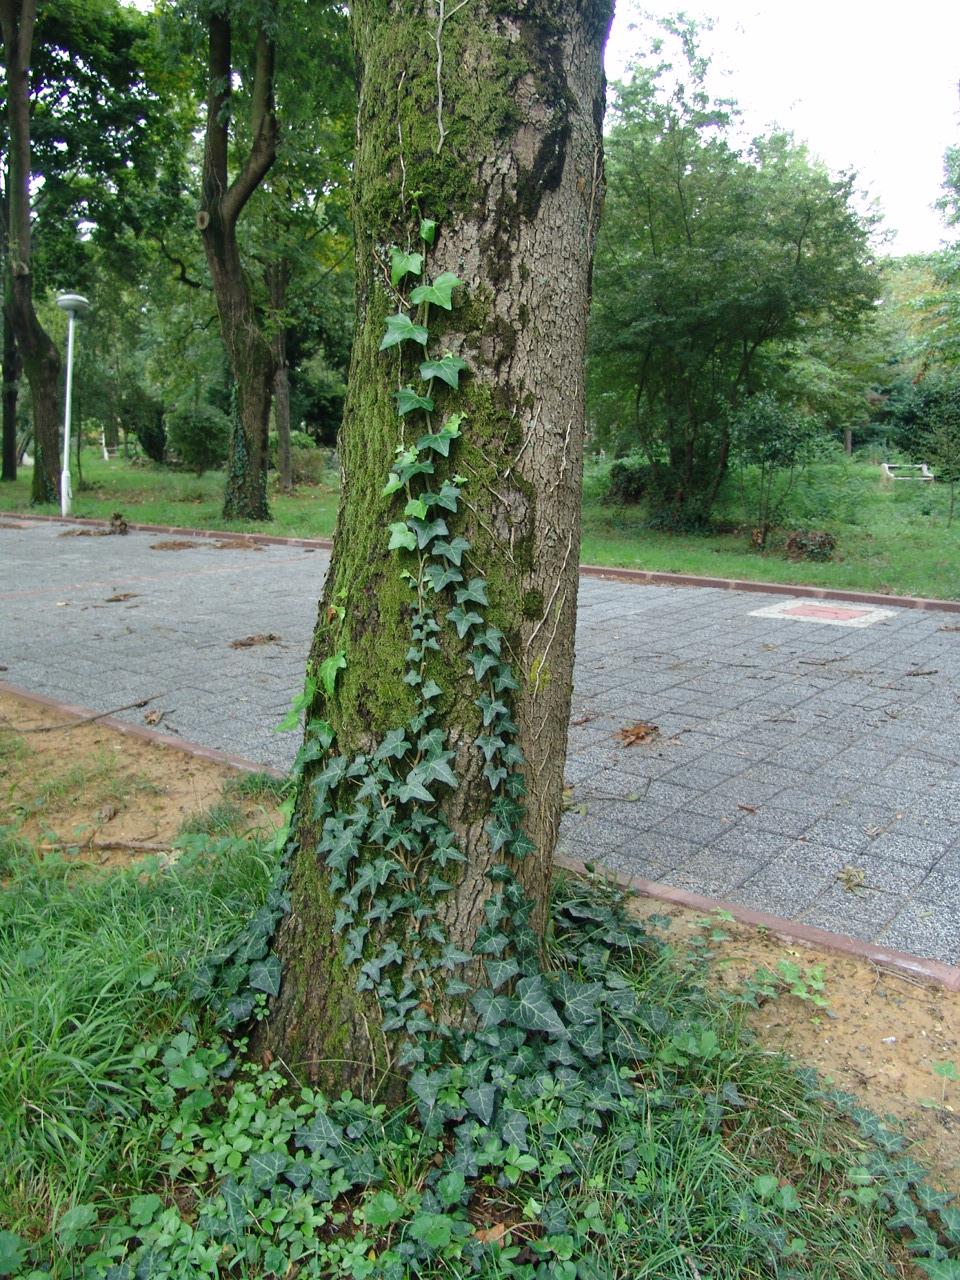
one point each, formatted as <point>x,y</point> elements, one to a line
<point>747,808</point>
<point>106,812</point>
<point>634,734</point>
<point>237,544</point>
<point>173,544</point>
<point>153,717</point>
<point>248,642</point>
<point>851,878</point>
<point>493,1234</point>
<point>584,719</point>
<point>120,596</point>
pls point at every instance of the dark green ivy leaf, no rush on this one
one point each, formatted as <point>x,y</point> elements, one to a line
<point>448,370</point>
<point>408,401</point>
<point>535,1011</point>
<point>265,975</point>
<point>400,328</point>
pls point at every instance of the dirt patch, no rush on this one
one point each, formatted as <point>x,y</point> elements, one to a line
<point>880,1034</point>
<point>109,798</point>
<point>102,796</point>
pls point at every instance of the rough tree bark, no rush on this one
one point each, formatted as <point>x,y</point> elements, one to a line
<point>486,117</point>
<point>249,350</point>
<point>40,358</point>
<point>278,278</point>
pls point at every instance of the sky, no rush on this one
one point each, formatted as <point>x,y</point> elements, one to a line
<point>868,84</point>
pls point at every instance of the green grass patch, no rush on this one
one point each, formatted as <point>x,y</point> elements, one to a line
<point>134,1142</point>
<point>891,538</point>
<point>91,965</point>
<point>150,494</point>
<point>263,787</point>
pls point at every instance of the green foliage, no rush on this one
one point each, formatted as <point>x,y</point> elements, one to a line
<point>708,256</point>
<point>810,544</point>
<point>199,435</point>
<point>778,440</point>
<point>629,479</point>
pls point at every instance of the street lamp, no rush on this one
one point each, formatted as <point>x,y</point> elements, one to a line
<point>72,304</point>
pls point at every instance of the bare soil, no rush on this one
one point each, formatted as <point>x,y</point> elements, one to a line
<point>108,798</point>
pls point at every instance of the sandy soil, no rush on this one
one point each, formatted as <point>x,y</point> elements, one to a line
<point>108,798</point>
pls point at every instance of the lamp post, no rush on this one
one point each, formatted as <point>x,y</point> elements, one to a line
<point>72,304</point>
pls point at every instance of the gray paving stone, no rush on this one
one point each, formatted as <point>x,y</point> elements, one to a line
<point>925,928</point>
<point>852,912</point>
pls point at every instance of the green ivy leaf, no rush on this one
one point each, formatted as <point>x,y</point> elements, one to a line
<point>400,328</point>
<point>265,975</point>
<point>266,1168</point>
<point>447,369</point>
<point>408,400</point>
<point>452,551</point>
<point>440,577</point>
<point>393,484</point>
<point>417,508</point>
<point>404,264</point>
<point>500,971</point>
<point>481,1101</point>
<point>428,230</point>
<point>475,592</point>
<point>328,671</point>
<point>535,1011</point>
<point>425,533</point>
<point>393,746</point>
<point>440,293</point>
<point>491,1009</point>
<point>463,621</point>
<point>401,536</point>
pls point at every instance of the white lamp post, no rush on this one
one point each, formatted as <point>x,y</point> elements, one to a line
<point>72,304</point>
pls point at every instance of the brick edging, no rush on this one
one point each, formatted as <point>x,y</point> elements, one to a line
<point>945,975</point>
<point>639,577</point>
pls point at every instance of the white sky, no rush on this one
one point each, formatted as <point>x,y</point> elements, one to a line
<point>868,85</point>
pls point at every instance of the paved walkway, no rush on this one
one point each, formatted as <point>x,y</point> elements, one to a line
<point>802,768</point>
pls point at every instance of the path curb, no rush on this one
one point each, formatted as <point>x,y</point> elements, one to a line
<point>934,971</point>
<point>639,577</point>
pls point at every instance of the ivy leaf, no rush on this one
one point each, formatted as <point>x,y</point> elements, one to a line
<point>452,551</point>
<point>428,230</point>
<point>535,1011</point>
<point>500,971</point>
<point>440,293</point>
<point>400,328</point>
<point>438,770</point>
<point>328,671</point>
<point>475,592</point>
<point>425,533</point>
<point>447,369</point>
<point>463,621</point>
<point>408,400</point>
<point>416,507</point>
<point>266,1168</point>
<point>319,1133</point>
<point>401,536</point>
<point>481,1101</point>
<point>404,264</point>
<point>491,1009</point>
<point>393,746</point>
<point>439,441</point>
<point>439,577</point>
<point>448,497</point>
<point>265,975</point>
<point>393,484</point>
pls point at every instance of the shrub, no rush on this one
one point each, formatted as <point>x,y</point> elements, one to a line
<point>307,466</point>
<point>199,434</point>
<point>152,437</point>
<point>629,479</point>
<point>810,544</point>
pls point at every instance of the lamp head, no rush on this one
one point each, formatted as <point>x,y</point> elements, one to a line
<point>72,302</point>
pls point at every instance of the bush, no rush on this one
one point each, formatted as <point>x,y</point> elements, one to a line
<point>307,466</point>
<point>810,544</point>
<point>629,479</point>
<point>152,437</point>
<point>199,434</point>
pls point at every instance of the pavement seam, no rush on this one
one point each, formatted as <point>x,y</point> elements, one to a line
<point>934,971</point>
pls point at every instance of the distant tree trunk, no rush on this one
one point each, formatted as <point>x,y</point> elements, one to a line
<point>278,277</point>
<point>509,163</point>
<point>848,442</point>
<point>11,391</point>
<point>249,351</point>
<point>40,358</point>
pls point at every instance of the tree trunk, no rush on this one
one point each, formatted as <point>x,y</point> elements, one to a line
<point>248,349</point>
<point>488,122</point>
<point>278,277</point>
<point>41,360</point>
<point>11,390</point>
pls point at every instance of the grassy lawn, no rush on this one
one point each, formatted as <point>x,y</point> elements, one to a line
<point>890,538</point>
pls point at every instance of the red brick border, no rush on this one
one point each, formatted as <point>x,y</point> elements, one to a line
<point>639,577</point>
<point>945,975</point>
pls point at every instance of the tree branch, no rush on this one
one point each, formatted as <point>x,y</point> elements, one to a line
<point>263,149</point>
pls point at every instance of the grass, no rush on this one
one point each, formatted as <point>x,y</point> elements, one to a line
<point>890,538</point>
<point>91,965</point>
<point>725,1162</point>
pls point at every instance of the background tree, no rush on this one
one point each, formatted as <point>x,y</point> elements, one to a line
<point>709,254</point>
<point>479,161</point>
<point>89,113</point>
